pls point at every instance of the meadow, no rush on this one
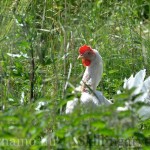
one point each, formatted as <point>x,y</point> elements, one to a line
<point>39,42</point>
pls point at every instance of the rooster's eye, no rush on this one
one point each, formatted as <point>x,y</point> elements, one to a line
<point>88,53</point>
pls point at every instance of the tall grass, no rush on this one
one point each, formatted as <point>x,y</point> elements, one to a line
<point>46,36</point>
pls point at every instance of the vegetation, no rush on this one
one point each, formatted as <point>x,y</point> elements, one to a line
<point>39,43</point>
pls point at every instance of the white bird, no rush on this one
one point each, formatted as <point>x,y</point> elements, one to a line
<point>92,60</point>
<point>141,91</point>
<point>141,86</point>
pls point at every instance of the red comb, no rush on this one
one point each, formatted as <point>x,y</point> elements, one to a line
<point>84,48</point>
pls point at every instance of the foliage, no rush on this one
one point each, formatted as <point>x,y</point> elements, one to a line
<point>38,42</point>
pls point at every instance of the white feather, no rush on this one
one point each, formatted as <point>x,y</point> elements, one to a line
<point>144,112</point>
<point>142,87</point>
<point>93,73</point>
<point>71,105</point>
<point>88,101</point>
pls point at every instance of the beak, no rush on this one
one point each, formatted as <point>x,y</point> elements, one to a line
<point>80,56</point>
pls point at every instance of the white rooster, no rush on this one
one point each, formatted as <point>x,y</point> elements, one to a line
<point>92,60</point>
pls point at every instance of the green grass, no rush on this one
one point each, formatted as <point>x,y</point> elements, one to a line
<point>50,33</point>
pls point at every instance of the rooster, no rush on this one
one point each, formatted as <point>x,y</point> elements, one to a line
<point>92,60</point>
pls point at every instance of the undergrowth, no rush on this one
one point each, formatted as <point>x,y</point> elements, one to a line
<point>39,44</point>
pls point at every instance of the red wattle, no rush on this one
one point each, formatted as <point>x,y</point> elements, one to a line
<point>86,62</point>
